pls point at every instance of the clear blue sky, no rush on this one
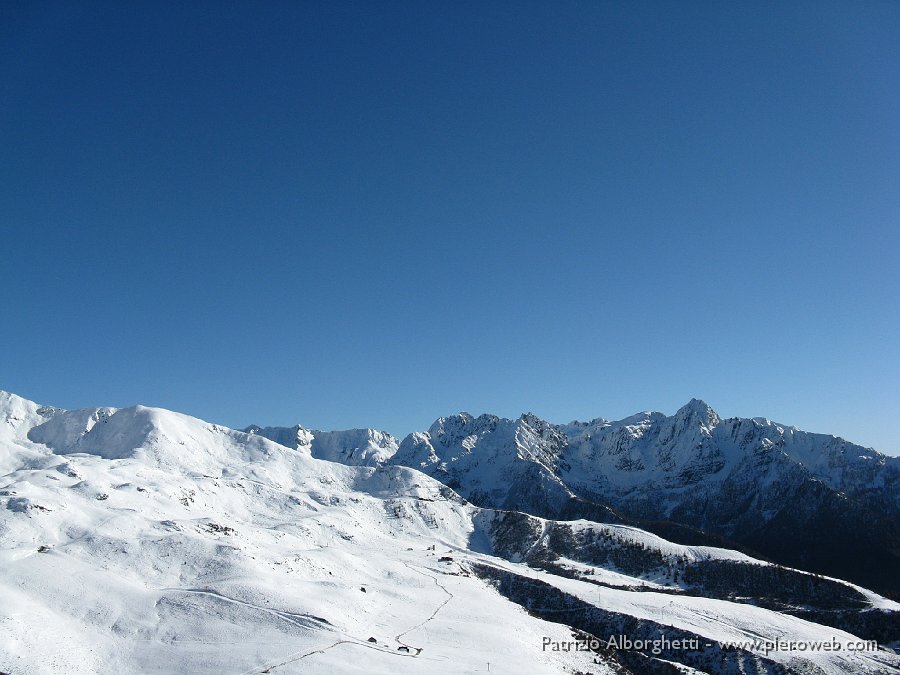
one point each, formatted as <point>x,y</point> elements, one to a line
<point>376,213</point>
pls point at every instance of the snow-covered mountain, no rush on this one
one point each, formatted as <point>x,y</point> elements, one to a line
<point>142,540</point>
<point>666,458</point>
<point>804,499</point>
<point>501,463</point>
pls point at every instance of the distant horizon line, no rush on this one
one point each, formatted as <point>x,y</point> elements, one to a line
<point>400,437</point>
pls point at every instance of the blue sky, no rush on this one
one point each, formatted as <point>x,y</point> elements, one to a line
<point>376,213</point>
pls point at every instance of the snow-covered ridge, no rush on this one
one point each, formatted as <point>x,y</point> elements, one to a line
<point>355,447</point>
<point>645,455</point>
<point>647,449</point>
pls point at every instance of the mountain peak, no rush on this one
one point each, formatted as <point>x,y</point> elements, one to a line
<point>699,409</point>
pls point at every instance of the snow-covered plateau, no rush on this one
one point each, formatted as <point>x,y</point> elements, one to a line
<point>140,540</point>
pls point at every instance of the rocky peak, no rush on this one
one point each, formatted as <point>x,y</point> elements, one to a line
<point>698,410</point>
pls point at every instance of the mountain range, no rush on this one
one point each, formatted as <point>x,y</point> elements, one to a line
<point>802,499</point>
<point>143,540</point>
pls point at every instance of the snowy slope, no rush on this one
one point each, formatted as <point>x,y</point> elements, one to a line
<point>142,540</point>
<point>180,546</point>
<point>717,622</point>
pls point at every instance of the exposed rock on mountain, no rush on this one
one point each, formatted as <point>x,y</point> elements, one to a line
<point>807,500</point>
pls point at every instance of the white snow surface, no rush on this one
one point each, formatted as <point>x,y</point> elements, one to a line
<point>143,540</point>
<point>150,541</point>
